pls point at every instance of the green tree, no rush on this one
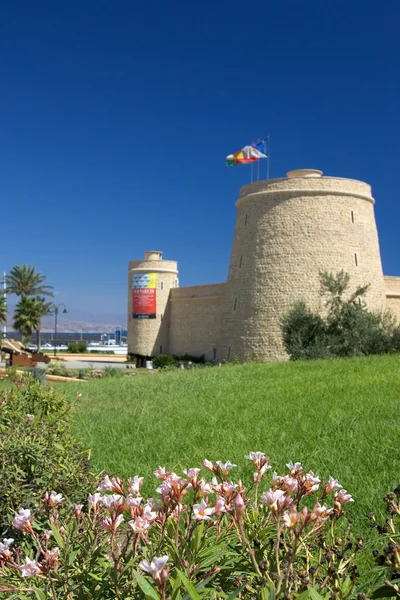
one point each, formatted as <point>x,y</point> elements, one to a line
<point>24,280</point>
<point>28,316</point>
<point>3,309</point>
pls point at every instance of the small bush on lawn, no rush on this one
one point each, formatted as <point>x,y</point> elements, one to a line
<point>163,360</point>
<point>77,347</point>
<point>37,449</point>
<point>57,368</point>
<point>199,539</point>
<point>347,329</point>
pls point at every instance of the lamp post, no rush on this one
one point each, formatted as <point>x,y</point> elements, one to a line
<point>56,307</point>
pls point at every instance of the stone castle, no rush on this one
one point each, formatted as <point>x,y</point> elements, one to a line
<point>287,231</point>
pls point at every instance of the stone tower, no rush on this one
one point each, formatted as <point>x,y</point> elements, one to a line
<point>287,231</point>
<point>149,284</point>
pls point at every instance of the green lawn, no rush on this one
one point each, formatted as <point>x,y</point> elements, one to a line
<point>338,417</point>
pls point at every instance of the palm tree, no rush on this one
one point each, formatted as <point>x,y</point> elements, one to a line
<point>45,308</point>
<point>3,309</point>
<point>28,316</point>
<point>24,280</point>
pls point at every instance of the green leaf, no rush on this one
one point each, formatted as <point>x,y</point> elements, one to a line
<point>175,588</point>
<point>191,590</point>
<point>57,535</point>
<point>385,591</point>
<point>148,590</point>
<point>272,593</point>
<point>236,592</point>
<point>40,595</point>
<point>198,534</point>
<point>314,594</point>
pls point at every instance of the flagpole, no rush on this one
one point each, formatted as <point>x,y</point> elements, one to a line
<point>268,150</point>
<point>258,170</point>
<point>251,179</point>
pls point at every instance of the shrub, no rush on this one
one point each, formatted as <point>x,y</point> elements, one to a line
<point>57,368</point>
<point>163,360</point>
<point>77,347</point>
<point>185,358</point>
<point>292,539</point>
<point>37,449</point>
<point>113,372</point>
<point>348,328</point>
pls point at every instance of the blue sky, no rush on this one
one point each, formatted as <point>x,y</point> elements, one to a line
<point>116,117</point>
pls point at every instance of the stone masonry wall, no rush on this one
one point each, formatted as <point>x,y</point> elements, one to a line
<point>392,287</point>
<point>195,318</point>
<point>287,231</point>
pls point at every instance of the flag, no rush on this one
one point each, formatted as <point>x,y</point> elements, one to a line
<point>261,146</point>
<point>248,154</point>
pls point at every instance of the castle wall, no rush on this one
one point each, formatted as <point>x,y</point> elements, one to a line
<point>392,287</point>
<point>287,231</point>
<point>195,319</point>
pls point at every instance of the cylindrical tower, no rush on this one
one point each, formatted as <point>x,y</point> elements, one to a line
<point>287,231</point>
<point>149,283</point>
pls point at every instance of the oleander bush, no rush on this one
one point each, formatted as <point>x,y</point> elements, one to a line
<point>197,538</point>
<point>37,448</point>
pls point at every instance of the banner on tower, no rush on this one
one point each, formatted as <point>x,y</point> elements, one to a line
<point>144,300</point>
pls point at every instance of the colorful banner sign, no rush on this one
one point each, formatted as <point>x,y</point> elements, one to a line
<point>144,302</point>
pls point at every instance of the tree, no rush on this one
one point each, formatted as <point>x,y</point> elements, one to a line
<point>45,308</point>
<point>28,316</point>
<point>3,309</point>
<point>346,329</point>
<point>24,280</point>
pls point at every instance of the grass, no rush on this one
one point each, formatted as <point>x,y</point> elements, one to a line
<point>338,417</point>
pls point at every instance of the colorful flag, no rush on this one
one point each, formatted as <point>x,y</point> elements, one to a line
<point>248,154</point>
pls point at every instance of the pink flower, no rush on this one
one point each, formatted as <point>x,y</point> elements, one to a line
<point>220,506</point>
<point>228,489</point>
<point>224,468</point>
<point>160,472</point>
<point>204,488</point>
<point>320,513</point>
<point>5,547</point>
<point>155,568</point>
<point>113,502</point>
<point>192,474</point>
<point>135,485</point>
<point>78,510</point>
<point>291,518</point>
<point>275,499</point>
<point>139,525</point>
<point>201,512</point>
<point>342,497</point>
<point>295,468</point>
<point>22,521</point>
<point>238,505</point>
<point>30,568</point>
<point>311,482</point>
<point>148,514</point>
<point>259,460</point>
<point>94,499</point>
<point>332,486</point>
<point>51,557</point>
<point>133,502</point>
<point>208,465</point>
<point>111,523</point>
<point>111,485</point>
<point>52,499</point>
<point>289,484</point>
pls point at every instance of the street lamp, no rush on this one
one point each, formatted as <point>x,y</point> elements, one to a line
<point>56,307</point>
